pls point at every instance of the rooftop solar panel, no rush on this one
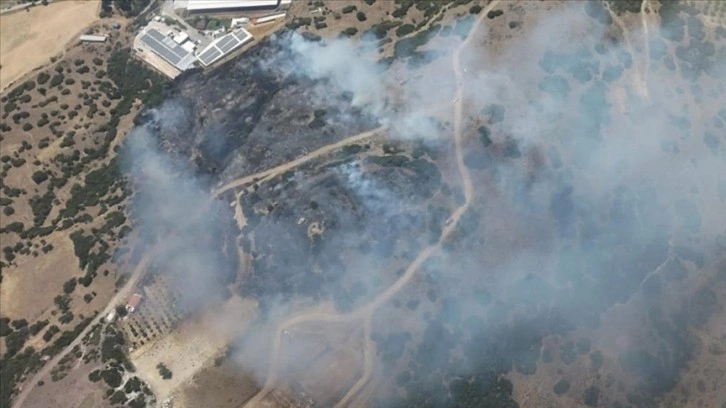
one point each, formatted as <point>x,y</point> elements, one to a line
<point>226,41</point>
<point>229,47</point>
<point>223,45</point>
<point>159,48</point>
<point>210,55</point>
<point>242,35</point>
<point>166,48</point>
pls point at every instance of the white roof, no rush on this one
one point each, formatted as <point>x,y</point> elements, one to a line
<point>181,37</point>
<point>189,46</point>
<point>198,5</point>
<point>93,38</point>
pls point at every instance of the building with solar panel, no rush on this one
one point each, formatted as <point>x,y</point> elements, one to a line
<point>170,49</point>
<point>223,46</point>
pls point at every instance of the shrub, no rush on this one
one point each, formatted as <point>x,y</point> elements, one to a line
<point>405,30</point>
<point>561,387</point>
<point>41,206</point>
<point>361,16</point>
<point>56,80</point>
<point>164,372</point>
<point>5,328</point>
<point>16,227</point>
<point>63,302</point>
<point>475,9</point>
<point>36,327</point>
<point>43,78</point>
<point>494,14</point>
<point>52,331</point>
<point>69,286</point>
<point>8,211</point>
<point>596,359</point>
<point>350,31</point>
<point>402,10</point>
<point>95,376</point>
<point>591,396</point>
<point>10,106</point>
<point>27,127</point>
<point>66,317</point>
<point>112,377</point>
<point>118,397</point>
<point>349,9</point>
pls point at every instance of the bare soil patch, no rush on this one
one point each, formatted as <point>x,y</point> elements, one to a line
<point>222,386</point>
<point>72,391</point>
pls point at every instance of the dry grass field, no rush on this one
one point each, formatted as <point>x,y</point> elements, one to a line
<point>28,39</point>
<point>68,126</point>
<point>199,339</point>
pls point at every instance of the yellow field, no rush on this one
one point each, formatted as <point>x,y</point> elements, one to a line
<point>28,39</point>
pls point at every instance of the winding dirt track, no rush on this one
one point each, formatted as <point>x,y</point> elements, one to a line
<point>366,312</point>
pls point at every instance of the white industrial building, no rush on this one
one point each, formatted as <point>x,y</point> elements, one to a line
<point>93,38</point>
<point>179,38</point>
<point>220,6</point>
<point>236,22</point>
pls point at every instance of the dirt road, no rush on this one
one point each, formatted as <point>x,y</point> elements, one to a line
<point>268,174</point>
<point>646,39</point>
<point>120,296</point>
<point>366,311</point>
<point>639,75</point>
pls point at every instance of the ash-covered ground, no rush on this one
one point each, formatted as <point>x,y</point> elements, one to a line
<point>255,113</point>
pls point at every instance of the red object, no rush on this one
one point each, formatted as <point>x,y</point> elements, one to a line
<point>133,302</point>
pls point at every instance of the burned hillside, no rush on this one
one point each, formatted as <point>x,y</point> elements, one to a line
<point>256,112</point>
<point>332,231</point>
